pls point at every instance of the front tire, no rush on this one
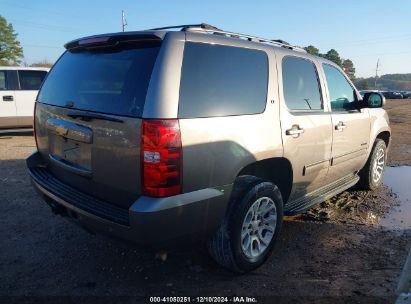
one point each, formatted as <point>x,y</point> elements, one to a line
<point>246,238</point>
<point>371,175</point>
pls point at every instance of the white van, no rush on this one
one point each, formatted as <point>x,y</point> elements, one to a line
<point>18,91</point>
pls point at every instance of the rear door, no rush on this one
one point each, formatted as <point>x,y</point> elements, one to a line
<point>305,123</point>
<point>8,118</point>
<point>351,126</point>
<point>88,118</point>
<point>29,84</point>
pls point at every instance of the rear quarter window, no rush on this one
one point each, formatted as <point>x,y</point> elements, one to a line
<point>31,80</point>
<point>222,80</point>
<point>106,80</point>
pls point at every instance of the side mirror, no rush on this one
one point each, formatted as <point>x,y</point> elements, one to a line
<point>373,100</point>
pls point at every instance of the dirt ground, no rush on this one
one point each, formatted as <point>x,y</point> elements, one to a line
<point>399,112</point>
<point>335,252</point>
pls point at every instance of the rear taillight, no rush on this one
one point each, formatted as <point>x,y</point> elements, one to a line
<point>161,157</point>
<point>34,125</point>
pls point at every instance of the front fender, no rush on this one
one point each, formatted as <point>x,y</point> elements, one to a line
<point>379,123</point>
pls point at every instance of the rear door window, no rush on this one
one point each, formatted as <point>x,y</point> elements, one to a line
<point>222,80</point>
<point>31,80</point>
<point>300,85</point>
<point>107,80</point>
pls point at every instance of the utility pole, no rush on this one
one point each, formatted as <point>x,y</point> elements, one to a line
<point>376,73</point>
<point>123,20</point>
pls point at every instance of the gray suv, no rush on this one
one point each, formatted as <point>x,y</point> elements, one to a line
<point>190,131</point>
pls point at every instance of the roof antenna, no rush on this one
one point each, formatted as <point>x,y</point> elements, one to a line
<point>123,20</point>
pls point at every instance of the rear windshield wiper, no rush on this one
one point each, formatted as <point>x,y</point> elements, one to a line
<point>87,116</point>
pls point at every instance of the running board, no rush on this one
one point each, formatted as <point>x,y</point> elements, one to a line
<point>307,201</point>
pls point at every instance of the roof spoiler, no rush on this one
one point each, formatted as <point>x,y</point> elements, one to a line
<point>107,40</point>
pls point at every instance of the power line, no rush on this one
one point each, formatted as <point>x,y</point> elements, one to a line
<point>44,26</point>
<point>41,10</point>
<point>42,46</point>
<point>364,42</point>
<point>380,54</point>
<point>376,42</point>
<point>372,40</point>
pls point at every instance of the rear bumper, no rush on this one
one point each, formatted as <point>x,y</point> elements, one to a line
<point>148,220</point>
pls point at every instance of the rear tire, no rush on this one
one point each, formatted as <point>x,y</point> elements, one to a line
<point>372,174</point>
<point>247,235</point>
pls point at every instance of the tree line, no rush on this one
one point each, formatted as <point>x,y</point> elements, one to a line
<point>11,52</point>
<point>388,82</point>
<point>346,64</point>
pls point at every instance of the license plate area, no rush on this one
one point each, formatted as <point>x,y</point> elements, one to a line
<point>71,151</point>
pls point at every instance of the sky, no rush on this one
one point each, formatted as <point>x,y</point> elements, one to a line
<point>363,30</point>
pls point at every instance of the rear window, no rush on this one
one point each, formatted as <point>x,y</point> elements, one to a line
<point>222,80</point>
<point>31,80</point>
<point>107,80</point>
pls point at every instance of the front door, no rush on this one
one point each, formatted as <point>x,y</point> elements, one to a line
<point>351,125</point>
<point>305,123</point>
<point>8,117</point>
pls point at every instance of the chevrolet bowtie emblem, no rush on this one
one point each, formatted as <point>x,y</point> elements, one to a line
<point>62,131</point>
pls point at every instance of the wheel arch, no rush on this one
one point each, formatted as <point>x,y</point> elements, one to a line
<point>385,136</point>
<point>277,170</point>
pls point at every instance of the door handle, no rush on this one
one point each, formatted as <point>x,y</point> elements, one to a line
<point>8,98</point>
<point>295,131</point>
<point>340,127</point>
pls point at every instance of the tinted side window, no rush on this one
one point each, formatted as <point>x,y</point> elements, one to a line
<point>3,80</point>
<point>222,80</point>
<point>31,80</point>
<point>300,84</point>
<point>341,93</point>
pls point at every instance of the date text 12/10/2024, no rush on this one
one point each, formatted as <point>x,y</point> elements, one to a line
<point>175,299</point>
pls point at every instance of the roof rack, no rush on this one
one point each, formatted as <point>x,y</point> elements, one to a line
<point>209,29</point>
